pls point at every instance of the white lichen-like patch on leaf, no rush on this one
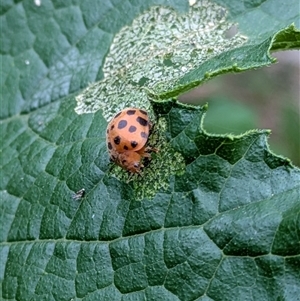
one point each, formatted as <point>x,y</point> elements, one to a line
<point>149,57</point>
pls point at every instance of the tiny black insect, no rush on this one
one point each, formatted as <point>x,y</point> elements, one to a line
<point>79,194</point>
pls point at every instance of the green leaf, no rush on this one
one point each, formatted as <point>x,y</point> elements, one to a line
<point>213,217</point>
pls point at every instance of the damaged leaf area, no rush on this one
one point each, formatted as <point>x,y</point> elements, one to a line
<point>149,57</point>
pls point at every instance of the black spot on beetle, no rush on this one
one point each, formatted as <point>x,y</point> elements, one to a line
<point>117,140</point>
<point>112,127</point>
<point>107,131</point>
<point>124,161</point>
<point>143,112</point>
<point>132,129</point>
<point>130,112</point>
<point>133,144</point>
<point>122,124</point>
<point>141,121</point>
<point>144,135</point>
<point>113,158</point>
<point>109,145</point>
<point>125,147</point>
<point>118,115</point>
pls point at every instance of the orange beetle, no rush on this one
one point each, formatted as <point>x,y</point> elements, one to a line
<point>126,138</point>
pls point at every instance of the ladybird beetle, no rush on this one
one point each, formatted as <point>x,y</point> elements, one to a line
<point>126,138</point>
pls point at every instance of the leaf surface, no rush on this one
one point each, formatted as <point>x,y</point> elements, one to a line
<point>214,217</point>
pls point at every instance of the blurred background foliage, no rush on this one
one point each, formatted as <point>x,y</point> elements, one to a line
<point>267,98</point>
